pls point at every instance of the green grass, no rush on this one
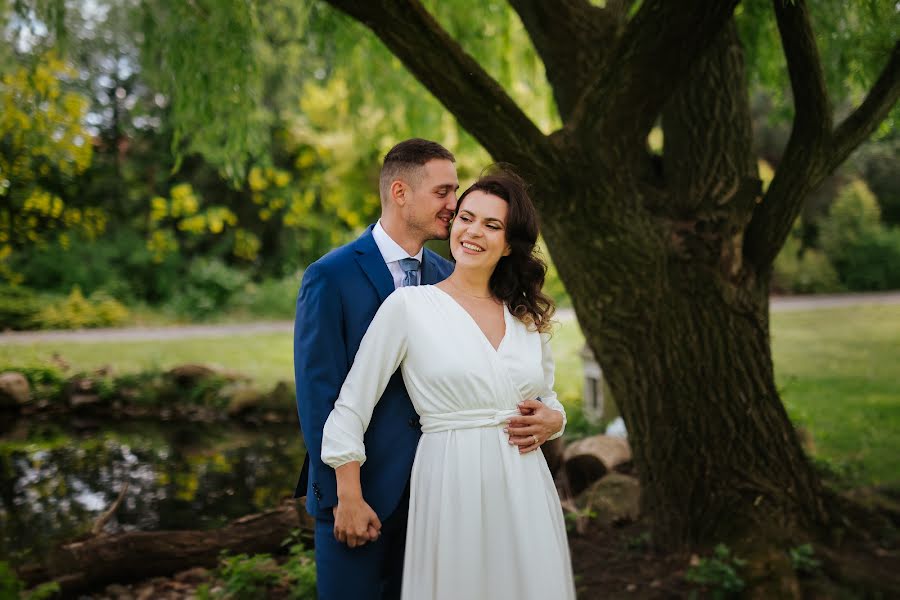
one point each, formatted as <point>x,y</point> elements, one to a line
<point>837,370</point>
<point>266,357</point>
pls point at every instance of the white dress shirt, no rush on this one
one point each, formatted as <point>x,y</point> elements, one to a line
<point>391,252</point>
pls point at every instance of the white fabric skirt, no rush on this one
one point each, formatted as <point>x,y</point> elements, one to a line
<point>485,522</point>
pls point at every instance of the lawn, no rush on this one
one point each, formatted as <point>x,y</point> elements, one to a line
<point>837,369</point>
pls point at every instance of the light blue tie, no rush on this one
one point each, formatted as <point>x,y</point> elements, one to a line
<point>410,266</point>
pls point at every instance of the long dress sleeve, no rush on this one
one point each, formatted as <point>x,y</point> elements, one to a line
<point>380,353</point>
<point>548,395</point>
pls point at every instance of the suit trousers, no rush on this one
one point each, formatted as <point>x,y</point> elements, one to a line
<point>373,571</point>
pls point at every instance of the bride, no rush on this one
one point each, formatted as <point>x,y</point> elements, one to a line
<point>485,520</point>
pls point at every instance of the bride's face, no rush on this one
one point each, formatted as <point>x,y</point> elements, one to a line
<point>478,235</point>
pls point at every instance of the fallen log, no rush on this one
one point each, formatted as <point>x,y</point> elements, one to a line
<point>103,559</point>
<point>587,460</point>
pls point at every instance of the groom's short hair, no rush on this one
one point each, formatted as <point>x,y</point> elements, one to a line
<point>405,161</point>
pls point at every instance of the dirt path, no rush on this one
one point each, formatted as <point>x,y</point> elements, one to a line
<point>778,304</point>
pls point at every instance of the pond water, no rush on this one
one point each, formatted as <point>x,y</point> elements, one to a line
<point>56,479</point>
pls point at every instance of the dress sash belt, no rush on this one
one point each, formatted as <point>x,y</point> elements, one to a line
<point>465,419</point>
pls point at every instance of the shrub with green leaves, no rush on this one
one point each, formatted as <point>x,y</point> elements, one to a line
<point>718,574</point>
<point>18,307</point>
<point>207,288</point>
<point>76,312</point>
<point>803,559</point>
<point>865,253</point>
<point>10,585</point>
<point>244,577</point>
<point>803,270</point>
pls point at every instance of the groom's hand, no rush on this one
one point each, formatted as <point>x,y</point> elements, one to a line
<point>355,523</point>
<point>536,423</point>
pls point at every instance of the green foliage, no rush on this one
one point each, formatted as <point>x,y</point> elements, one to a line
<point>572,517</point>
<point>18,307</point>
<point>640,542</point>
<point>207,288</point>
<point>553,285</point>
<point>803,559</point>
<point>270,298</point>
<point>10,585</point>
<point>201,56</point>
<point>803,270</point>
<point>719,573</point>
<point>872,262</point>
<point>864,252</point>
<point>246,577</point>
<point>76,312</point>
<point>21,308</point>
<point>50,589</point>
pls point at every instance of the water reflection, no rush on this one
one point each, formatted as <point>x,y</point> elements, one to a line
<point>56,479</point>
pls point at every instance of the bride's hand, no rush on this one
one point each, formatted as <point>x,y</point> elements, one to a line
<point>534,426</point>
<point>355,523</point>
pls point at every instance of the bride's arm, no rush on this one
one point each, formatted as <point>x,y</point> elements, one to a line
<point>543,419</point>
<point>380,353</point>
<point>548,397</point>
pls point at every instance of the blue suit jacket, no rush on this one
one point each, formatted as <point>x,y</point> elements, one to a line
<point>339,296</point>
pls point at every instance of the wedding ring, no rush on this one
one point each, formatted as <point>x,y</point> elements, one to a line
<point>535,438</point>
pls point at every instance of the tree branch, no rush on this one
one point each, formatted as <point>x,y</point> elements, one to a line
<point>659,44</point>
<point>813,150</point>
<point>588,31</point>
<point>812,110</point>
<point>857,127</point>
<point>480,104</point>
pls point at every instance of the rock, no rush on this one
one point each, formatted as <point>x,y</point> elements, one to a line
<point>14,390</point>
<point>244,399</point>
<point>587,460</point>
<point>614,499</point>
<point>195,576</point>
<point>188,375</point>
<point>81,393</point>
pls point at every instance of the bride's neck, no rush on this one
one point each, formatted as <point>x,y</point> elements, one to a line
<point>471,282</point>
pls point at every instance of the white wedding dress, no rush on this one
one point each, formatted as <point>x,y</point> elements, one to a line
<point>485,522</point>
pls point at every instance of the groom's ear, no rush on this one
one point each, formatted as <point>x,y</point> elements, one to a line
<point>399,191</point>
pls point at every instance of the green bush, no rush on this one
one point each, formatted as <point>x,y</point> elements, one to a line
<point>76,312</point>
<point>208,287</point>
<point>274,298</point>
<point>872,262</point>
<point>718,573</point>
<point>10,585</point>
<point>18,307</point>
<point>118,264</point>
<point>803,271</point>
<point>250,577</point>
<point>864,252</point>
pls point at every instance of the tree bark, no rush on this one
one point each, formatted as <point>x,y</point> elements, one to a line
<point>136,555</point>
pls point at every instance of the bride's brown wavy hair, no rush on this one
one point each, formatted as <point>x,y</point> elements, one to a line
<point>518,278</point>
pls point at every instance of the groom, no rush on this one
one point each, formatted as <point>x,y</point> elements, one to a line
<point>340,295</point>
<point>361,556</point>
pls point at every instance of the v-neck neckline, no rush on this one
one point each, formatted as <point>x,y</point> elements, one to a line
<point>475,323</point>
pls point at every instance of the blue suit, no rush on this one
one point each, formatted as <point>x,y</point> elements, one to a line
<point>339,296</point>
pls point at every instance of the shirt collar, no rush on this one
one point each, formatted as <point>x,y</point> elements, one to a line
<point>391,250</point>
